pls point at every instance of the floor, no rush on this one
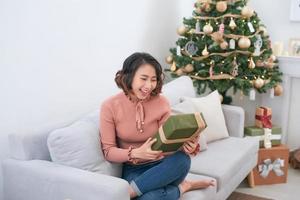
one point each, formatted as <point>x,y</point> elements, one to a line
<point>287,191</point>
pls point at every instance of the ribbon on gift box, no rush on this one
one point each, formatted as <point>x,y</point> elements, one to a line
<point>267,138</point>
<point>265,118</point>
<point>268,166</point>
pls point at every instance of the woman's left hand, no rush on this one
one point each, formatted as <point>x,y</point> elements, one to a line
<point>190,147</point>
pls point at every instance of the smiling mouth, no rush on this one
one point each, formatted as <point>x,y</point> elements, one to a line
<point>144,93</point>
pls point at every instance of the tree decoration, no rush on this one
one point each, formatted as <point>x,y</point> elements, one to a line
<point>205,52</point>
<point>247,12</point>
<point>257,45</point>
<point>278,89</point>
<point>258,83</point>
<point>179,72</point>
<point>169,59</point>
<point>232,44</point>
<point>225,45</point>
<point>221,6</point>
<point>189,68</point>
<point>197,28</point>
<point>251,63</point>
<point>182,30</point>
<point>235,68</point>
<point>221,28</point>
<point>208,29</point>
<point>244,43</point>
<point>178,51</point>
<point>191,48</point>
<point>173,67</point>
<point>232,24</point>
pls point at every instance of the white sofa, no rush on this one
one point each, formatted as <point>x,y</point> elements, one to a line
<point>31,175</point>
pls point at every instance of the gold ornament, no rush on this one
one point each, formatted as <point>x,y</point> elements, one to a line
<point>273,57</point>
<point>278,89</point>
<point>260,63</point>
<point>189,68</point>
<point>182,30</point>
<point>207,29</point>
<point>221,6</point>
<point>247,12</point>
<point>251,63</point>
<point>244,43</point>
<point>173,67</point>
<point>232,24</point>
<point>258,83</point>
<point>264,30</point>
<point>169,59</point>
<point>179,72</point>
<point>205,52</point>
<point>224,45</point>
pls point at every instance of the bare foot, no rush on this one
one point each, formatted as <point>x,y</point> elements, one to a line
<point>186,186</point>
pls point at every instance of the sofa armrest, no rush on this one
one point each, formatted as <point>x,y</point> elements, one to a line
<point>235,120</point>
<point>39,179</point>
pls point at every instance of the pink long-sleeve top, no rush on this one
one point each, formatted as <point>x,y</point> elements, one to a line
<point>118,124</point>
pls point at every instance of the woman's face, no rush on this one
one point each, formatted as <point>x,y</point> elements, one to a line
<point>144,81</point>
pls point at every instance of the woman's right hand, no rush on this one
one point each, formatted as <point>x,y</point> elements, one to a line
<point>145,152</point>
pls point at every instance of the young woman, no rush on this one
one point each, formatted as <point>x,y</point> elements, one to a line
<point>129,119</point>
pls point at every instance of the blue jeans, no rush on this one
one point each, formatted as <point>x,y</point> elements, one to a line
<point>158,180</point>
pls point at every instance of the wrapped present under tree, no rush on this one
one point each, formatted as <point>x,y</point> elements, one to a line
<point>177,130</point>
<point>272,166</point>
<point>263,116</point>
<point>276,134</point>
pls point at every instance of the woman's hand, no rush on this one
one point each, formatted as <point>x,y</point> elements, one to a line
<point>190,147</point>
<point>145,152</point>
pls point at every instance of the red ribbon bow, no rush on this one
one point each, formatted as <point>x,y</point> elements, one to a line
<point>265,118</point>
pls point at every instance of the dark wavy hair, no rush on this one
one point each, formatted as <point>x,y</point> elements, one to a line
<point>125,76</point>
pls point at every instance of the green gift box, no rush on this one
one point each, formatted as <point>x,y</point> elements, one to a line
<point>177,130</point>
<point>259,132</point>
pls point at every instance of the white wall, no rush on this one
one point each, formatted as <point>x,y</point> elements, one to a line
<point>58,58</point>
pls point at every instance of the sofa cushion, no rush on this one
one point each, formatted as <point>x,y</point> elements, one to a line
<point>224,158</point>
<point>211,108</point>
<point>179,87</point>
<point>78,145</point>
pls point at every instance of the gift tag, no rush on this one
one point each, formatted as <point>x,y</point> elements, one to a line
<point>257,45</point>
<point>232,44</point>
<point>251,28</point>
<point>178,51</point>
<point>272,93</point>
<point>252,94</point>
<point>198,26</point>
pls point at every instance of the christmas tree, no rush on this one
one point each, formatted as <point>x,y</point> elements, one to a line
<point>225,45</point>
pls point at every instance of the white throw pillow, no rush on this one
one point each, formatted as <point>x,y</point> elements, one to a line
<point>179,87</point>
<point>185,108</point>
<point>211,108</point>
<point>78,145</point>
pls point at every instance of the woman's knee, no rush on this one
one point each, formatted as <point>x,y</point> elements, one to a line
<point>183,160</point>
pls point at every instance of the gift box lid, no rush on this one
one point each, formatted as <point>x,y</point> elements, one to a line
<point>183,126</point>
<point>256,131</point>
